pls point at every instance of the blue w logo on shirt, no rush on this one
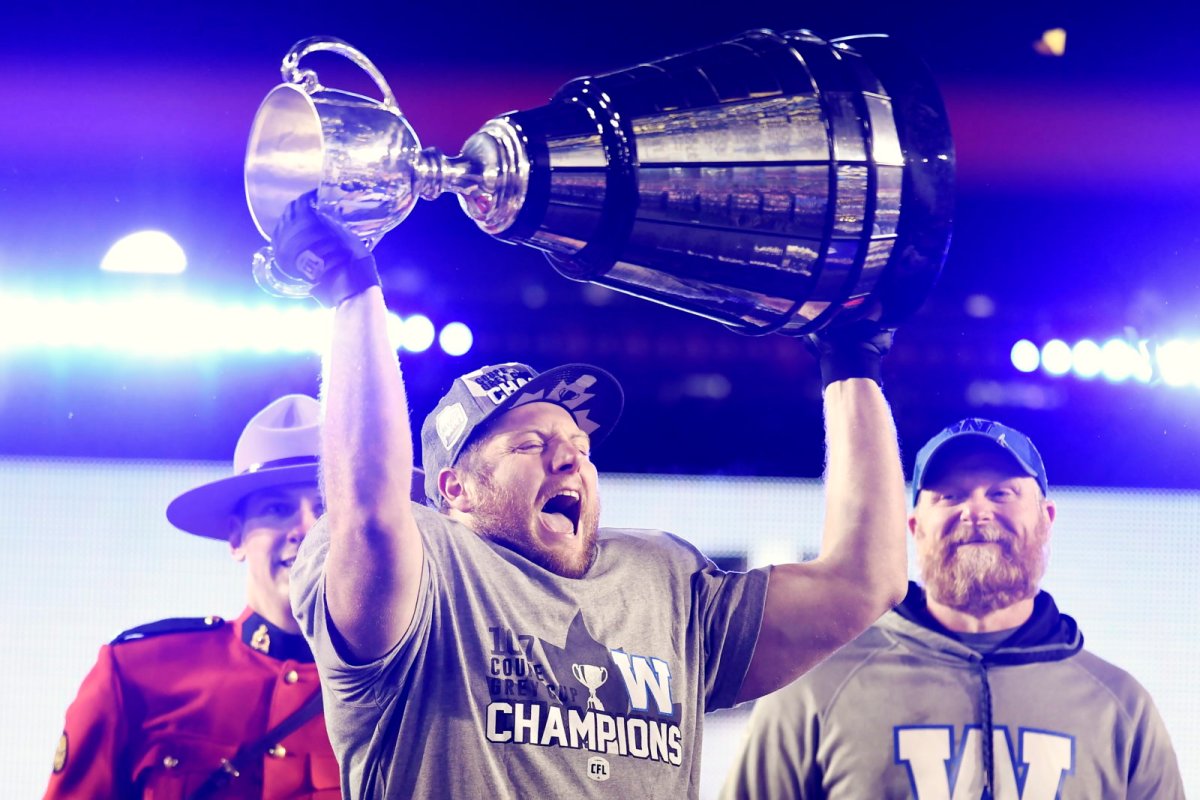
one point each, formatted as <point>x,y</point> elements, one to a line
<point>937,770</point>
<point>645,677</point>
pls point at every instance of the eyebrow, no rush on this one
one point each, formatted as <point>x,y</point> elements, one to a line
<point>546,434</point>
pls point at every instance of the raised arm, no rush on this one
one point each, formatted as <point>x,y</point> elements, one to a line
<point>374,564</point>
<point>373,568</point>
<point>816,607</point>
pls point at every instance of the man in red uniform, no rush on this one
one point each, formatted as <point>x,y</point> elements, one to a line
<point>190,708</point>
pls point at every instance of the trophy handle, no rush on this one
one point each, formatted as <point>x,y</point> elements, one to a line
<point>307,78</point>
<point>271,279</point>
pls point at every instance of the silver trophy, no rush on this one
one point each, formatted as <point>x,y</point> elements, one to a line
<point>772,182</point>
<point>592,677</point>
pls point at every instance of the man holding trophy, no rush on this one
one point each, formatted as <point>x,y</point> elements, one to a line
<point>446,641</point>
<point>501,643</point>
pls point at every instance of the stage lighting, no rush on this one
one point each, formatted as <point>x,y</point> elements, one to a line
<point>145,252</point>
<point>1056,357</point>
<point>1179,362</point>
<point>177,326</point>
<point>417,334</point>
<point>1085,359</point>
<point>1121,361</point>
<point>1025,356</point>
<point>456,339</point>
<point>1118,360</point>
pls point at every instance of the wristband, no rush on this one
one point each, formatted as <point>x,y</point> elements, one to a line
<point>344,282</point>
<point>843,363</point>
<point>854,350</point>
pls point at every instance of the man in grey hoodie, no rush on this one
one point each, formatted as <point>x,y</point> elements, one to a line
<point>975,686</point>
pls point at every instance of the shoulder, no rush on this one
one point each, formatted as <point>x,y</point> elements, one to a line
<point>173,625</point>
<point>872,650</point>
<point>640,550</point>
<point>433,523</point>
<point>1111,679</point>
<point>157,650</point>
<point>646,540</point>
<point>839,675</point>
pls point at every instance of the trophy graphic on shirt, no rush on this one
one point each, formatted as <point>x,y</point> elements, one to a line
<point>772,182</point>
<point>593,678</point>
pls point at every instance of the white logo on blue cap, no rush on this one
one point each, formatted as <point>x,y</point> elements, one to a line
<point>498,383</point>
<point>451,423</point>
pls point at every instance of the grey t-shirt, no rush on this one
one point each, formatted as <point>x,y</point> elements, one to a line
<point>515,682</point>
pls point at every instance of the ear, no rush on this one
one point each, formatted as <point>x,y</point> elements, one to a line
<point>1050,510</point>
<point>234,535</point>
<point>453,488</point>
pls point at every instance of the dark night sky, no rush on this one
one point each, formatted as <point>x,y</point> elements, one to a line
<point>1078,195</point>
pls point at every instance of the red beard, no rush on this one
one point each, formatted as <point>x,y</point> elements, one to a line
<point>960,571</point>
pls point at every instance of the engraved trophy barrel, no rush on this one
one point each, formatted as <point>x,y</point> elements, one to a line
<point>772,182</point>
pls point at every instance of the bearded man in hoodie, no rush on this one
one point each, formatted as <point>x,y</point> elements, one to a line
<point>975,686</point>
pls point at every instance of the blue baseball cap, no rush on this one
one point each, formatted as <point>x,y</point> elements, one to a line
<point>1010,440</point>
<point>593,396</point>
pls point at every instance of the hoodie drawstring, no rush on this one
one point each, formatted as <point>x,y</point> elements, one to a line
<point>985,698</point>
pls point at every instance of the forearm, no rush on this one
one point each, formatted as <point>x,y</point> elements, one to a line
<point>863,540</point>
<point>815,607</point>
<point>375,555</point>
<point>366,441</point>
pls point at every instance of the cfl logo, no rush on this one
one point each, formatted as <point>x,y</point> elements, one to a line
<point>597,769</point>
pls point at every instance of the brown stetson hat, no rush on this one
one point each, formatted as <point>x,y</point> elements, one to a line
<point>280,445</point>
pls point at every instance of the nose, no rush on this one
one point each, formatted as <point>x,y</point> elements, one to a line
<point>977,507</point>
<point>564,458</point>
<point>306,517</point>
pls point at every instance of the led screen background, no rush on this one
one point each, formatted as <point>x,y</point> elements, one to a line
<point>89,554</point>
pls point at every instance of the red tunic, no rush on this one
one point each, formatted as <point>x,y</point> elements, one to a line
<point>165,703</point>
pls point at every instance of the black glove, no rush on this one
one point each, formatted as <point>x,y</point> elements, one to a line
<point>851,350</point>
<point>314,247</point>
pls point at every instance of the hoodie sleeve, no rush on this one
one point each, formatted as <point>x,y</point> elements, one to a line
<point>1153,767</point>
<point>778,757</point>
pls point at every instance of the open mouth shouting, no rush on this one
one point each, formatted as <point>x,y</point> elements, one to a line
<point>287,562</point>
<point>560,514</point>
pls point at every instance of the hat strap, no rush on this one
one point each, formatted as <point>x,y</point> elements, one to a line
<point>280,462</point>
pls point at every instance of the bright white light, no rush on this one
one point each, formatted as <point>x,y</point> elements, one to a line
<point>42,324</point>
<point>147,252</point>
<point>456,339</point>
<point>1025,356</point>
<point>1056,357</point>
<point>1143,370</point>
<point>395,331</point>
<point>414,334</point>
<point>1177,362</point>
<point>161,325</point>
<point>418,334</point>
<point>1118,360</point>
<point>1085,359</point>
